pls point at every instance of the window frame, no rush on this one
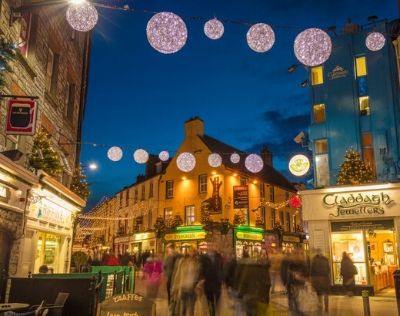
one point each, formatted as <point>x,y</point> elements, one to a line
<point>318,81</point>
<point>169,189</point>
<point>190,218</point>
<point>203,181</point>
<point>323,115</point>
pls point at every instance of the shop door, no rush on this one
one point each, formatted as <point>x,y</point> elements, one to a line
<point>5,247</point>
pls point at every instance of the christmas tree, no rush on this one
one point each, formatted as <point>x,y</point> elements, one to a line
<point>79,184</point>
<point>353,170</point>
<point>43,156</point>
<point>7,55</point>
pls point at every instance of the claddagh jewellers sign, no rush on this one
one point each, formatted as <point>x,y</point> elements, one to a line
<point>358,204</point>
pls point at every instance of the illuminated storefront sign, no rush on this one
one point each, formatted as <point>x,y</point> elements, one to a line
<point>357,204</point>
<point>291,238</point>
<point>249,236</point>
<point>186,236</point>
<point>299,165</point>
<point>50,212</point>
<point>142,236</point>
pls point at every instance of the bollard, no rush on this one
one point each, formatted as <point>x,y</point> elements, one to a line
<point>396,276</point>
<point>365,297</point>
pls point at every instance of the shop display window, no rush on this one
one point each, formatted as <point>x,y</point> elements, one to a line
<point>353,245</point>
<point>47,252</point>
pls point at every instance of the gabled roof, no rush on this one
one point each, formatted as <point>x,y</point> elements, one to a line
<point>268,174</point>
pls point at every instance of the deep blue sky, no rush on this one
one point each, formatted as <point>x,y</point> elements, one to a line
<point>139,98</point>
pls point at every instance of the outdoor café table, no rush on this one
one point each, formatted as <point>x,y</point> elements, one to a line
<point>12,306</point>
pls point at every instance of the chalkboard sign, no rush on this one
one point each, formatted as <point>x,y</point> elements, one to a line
<point>128,304</point>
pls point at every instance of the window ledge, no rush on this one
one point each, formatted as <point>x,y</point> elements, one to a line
<point>24,62</point>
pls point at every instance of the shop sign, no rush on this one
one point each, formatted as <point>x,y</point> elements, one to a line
<point>249,236</point>
<point>21,117</point>
<point>142,236</point>
<point>50,214</point>
<point>186,236</point>
<point>127,305</point>
<point>337,72</point>
<point>360,204</point>
<point>291,238</point>
<point>361,225</point>
<point>120,240</point>
<point>240,196</point>
<point>299,165</point>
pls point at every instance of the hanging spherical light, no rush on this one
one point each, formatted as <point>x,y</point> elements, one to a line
<point>140,156</point>
<point>82,16</point>
<point>166,32</point>
<point>375,41</point>
<point>214,160</point>
<point>260,37</point>
<point>114,153</point>
<point>163,155</point>
<point>186,162</point>
<point>312,47</point>
<point>214,29</point>
<point>235,158</point>
<point>254,163</point>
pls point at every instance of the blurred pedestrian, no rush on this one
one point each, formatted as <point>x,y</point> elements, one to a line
<point>348,270</point>
<point>169,266</point>
<point>321,279</point>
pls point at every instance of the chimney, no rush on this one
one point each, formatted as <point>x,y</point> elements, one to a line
<point>266,155</point>
<point>350,28</point>
<point>193,127</point>
<point>140,178</point>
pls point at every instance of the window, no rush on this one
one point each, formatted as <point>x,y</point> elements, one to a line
<point>281,218</point>
<point>288,221</point>
<point>169,189</point>
<point>151,190</point>
<point>317,75</point>
<point>121,199</point>
<point>273,217</point>
<point>69,111</point>
<point>319,113</point>
<point>262,213</point>
<point>143,192</point>
<point>203,183</point>
<point>364,106</point>
<point>243,181</point>
<point>271,194</point>
<point>321,162</point>
<point>149,219</point>
<point>127,198</point>
<point>368,150</point>
<point>361,66</point>
<point>52,71</point>
<point>189,215</point>
<point>136,195</point>
<point>262,190</point>
<point>167,213</point>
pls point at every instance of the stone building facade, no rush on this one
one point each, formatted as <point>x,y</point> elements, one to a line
<point>51,65</point>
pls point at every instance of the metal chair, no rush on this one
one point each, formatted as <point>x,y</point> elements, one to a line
<point>55,309</point>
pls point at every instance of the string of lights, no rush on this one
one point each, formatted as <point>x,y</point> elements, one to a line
<point>167,32</point>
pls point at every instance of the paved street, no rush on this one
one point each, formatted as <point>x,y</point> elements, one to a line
<point>339,305</point>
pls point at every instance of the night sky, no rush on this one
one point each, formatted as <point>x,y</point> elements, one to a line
<point>140,98</point>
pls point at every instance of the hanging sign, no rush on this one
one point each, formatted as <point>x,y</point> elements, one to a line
<point>337,72</point>
<point>21,117</point>
<point>240,196</point>
<point>299,165</point>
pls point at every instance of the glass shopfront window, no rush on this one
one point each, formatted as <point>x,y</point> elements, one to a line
<point>47,252</point>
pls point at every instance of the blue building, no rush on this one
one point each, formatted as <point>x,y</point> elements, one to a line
<point>355,104</point>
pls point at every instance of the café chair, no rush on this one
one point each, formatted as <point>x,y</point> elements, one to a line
<point>56,308</point>
<point>38,311</point>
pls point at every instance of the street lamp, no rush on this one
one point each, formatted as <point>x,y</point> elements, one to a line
<point>91,166</point>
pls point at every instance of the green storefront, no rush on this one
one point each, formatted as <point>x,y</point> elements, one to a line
<point>249,238</point>
<point>187,237</point>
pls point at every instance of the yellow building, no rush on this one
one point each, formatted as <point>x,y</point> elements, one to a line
<point>226,205</point>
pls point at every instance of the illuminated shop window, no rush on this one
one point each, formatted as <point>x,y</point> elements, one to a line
<point>364,106</point>
<point>317,75</point>
<point>319,113</point>
<point>321,162</point>
<point>368,150</point>
<point>361,66</point>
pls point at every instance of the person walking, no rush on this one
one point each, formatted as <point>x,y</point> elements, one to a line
<point>169,266</point>
<point>320,273</point>
<point>348,270</point>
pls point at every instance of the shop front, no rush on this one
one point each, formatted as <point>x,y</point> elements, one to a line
<point>121,245</point>
<point>141,242</point>
<point>49,228</point>
<point>362,221</point>
<point>186,238</point>
<point>250,239</point>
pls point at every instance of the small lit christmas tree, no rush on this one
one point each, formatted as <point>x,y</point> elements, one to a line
<point>79,183</point>
<point>353,170</point>
<point>7,55</point>
<point>160,226</point>
<point>205,217</point>
<point>238,219</point>
<point>43,156</point>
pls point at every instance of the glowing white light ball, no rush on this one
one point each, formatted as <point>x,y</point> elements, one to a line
<point>166,32</point>
<point>186,162</point>
<point>214,160</point>
<point>260,37</point>
<point>214,29</point>
<point>235,158</point>
<point>163,155</point>
<point>375,41</point>
<point>312,47</point>
<point>140,156</point>
<point>114,153</point>
<point>254,163</point>
<point>82,16</point>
